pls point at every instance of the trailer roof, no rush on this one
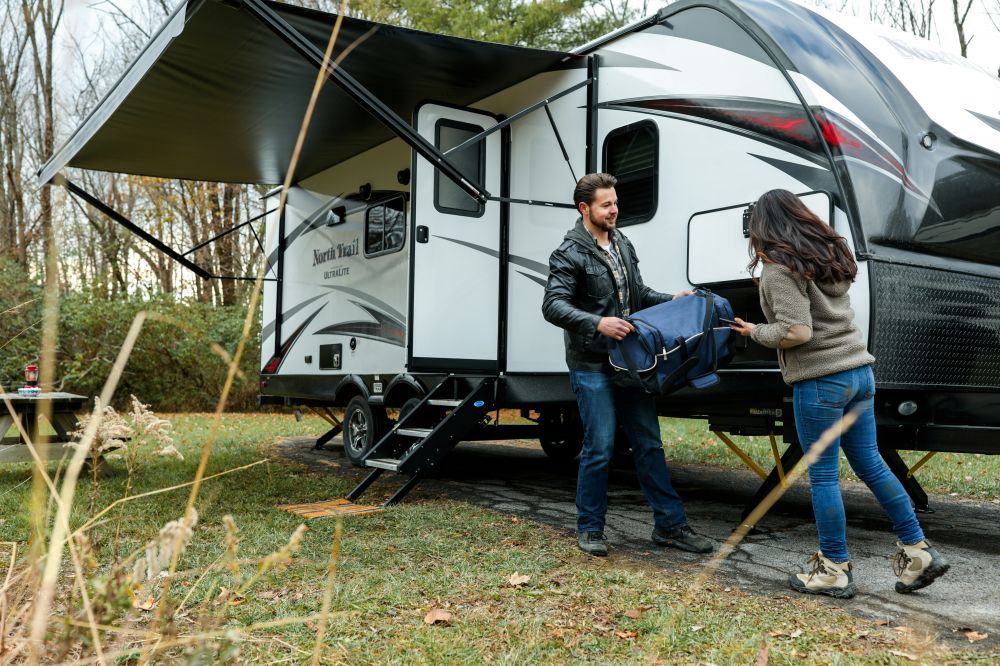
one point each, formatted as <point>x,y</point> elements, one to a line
<point>218,96</point>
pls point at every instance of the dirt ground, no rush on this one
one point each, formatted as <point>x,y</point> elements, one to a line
<point>516,477</point>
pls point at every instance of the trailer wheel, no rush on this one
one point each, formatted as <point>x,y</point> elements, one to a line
<point>363,426</point>
<point>562,434</point>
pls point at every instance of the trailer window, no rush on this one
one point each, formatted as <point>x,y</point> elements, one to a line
<point>385,227</point>
<point>631,154</point>
<point>470,161</point>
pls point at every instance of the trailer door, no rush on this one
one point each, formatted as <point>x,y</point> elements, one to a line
<point>455,291</point>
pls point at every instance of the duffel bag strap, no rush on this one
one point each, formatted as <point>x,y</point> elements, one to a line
<point>632,370</point>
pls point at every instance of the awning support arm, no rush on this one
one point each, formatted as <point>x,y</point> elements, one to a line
<point>229,231</point>
<point>555,130</point>
<point>77,191</point>
<point>533,202</point>
<point>517,116</point>
<point>363,97</point>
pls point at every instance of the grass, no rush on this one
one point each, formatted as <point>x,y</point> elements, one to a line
<point>973,476</point>
<point>425,554</point>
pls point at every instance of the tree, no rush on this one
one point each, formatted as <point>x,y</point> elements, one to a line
<point>960,14</point>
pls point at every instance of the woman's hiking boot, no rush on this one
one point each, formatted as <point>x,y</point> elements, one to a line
<point>826,577</point>
<point>917,566</point>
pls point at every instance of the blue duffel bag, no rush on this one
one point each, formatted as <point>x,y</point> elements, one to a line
<point>675,344</point>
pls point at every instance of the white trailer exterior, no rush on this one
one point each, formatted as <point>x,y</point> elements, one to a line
<point>393,264</point>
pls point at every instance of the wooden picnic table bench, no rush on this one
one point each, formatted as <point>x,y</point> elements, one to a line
<point>60,410</point>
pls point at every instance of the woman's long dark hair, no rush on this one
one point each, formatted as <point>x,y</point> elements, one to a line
<point>784,231</point>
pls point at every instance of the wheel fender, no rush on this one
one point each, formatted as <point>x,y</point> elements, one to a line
<point>351,386</point>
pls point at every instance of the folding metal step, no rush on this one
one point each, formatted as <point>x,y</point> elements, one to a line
<point>414,432</point>
<point>383,463</point>
<point>444,403</point>
<point>453,409</point>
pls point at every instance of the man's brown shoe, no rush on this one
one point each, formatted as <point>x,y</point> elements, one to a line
<point>683,538</point>
<point>593,543</point>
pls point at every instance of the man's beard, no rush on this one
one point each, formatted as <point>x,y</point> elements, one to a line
<point>604,225</point>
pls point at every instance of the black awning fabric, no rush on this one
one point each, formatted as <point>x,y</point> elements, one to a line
<point>217,96</point>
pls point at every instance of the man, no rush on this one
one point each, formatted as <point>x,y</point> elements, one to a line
<point>594,283</point>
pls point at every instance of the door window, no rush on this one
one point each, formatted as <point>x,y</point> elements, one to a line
<point>470,161</point>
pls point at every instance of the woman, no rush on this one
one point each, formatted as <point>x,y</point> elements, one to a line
<point>807,270</point>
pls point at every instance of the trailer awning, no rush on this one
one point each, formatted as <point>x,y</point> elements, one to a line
<point>217,96</point>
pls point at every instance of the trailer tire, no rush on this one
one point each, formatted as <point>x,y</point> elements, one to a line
<point>363,426</point>
<point>562,434</point>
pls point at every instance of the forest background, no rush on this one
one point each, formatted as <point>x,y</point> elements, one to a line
<point>51,77</point>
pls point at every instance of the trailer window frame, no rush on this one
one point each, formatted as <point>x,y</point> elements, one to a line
<point>637,128</point>
<point>383,204</point>
<point>480,146</point>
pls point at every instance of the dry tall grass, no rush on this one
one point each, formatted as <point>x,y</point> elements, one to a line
<point>48,616</point>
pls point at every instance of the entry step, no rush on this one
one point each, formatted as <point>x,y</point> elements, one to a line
<point>414,432</point>
<point>390,464</point>
<point>444,403</point>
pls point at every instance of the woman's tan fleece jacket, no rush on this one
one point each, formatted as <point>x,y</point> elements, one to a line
<point>811,324</point>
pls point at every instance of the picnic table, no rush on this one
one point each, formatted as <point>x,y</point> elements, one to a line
<point>62,407</point>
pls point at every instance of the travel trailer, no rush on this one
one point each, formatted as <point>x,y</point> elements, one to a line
<point>406,266</point>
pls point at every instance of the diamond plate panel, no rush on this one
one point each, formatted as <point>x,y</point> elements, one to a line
<point>935,328</point>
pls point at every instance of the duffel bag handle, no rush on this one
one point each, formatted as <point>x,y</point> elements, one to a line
<point>633,371</point>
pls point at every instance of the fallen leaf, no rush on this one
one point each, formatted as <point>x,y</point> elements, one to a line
<point>697,627</point>
<point>235,599</point>
<point>881,623</point>
<point>147,605</point>
<point>796,633</point>
<point>634,614</point>
<point>775,633</point>
<point>518,579</point>
<point>437,615</point>
<point>905,655</point>
<point>626,634</point>
<point>762,653</point>
<point>974,636</point>
<point>515,519</point>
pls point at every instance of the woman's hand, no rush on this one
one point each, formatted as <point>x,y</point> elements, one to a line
<point>744,328</point>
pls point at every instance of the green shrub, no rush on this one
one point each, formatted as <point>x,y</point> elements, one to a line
<point>173,367</point>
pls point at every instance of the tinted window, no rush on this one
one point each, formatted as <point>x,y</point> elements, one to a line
<point>631,155</point>
<point>470,161</point>
<point>385,227</point>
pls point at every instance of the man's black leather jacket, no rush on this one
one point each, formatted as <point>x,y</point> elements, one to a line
<point>581,290</point>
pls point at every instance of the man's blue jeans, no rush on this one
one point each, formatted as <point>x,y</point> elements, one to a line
<point>602,406</point>
<point>821,402</point>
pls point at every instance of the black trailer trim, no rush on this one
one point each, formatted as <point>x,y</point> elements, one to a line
<point>593,71</point>
<point>280,287</point>
<point>362,96</point>
<point>504,258</point>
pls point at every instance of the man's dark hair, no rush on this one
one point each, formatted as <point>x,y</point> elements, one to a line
<point>589,184</point>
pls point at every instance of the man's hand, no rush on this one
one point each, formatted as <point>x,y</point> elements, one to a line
<point>614,328</point>
<point>744,328</point>
<point>682,294</point>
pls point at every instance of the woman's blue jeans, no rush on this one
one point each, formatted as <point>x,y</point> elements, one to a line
<point>603,405</point>
<point>821,402</point>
